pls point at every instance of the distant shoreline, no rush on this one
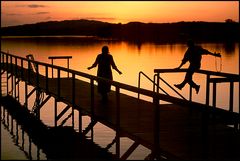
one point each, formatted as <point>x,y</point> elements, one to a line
<point>136,32</point>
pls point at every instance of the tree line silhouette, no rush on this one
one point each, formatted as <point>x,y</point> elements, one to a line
<point>132,31</point>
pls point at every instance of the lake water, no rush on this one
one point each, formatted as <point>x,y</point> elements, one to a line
<point>131,58</point>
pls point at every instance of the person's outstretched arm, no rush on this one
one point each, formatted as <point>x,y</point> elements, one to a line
<point>119,72</point>
<point>211,53</point>
<point>184,60</point>
<point>94,64</point>
<point>115,67</point>
<point>215,54</point>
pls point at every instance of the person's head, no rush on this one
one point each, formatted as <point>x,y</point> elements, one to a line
<point>105,50</point>
<point>190,43</point>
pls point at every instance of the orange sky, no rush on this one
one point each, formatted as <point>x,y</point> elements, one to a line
<point>25,12</point>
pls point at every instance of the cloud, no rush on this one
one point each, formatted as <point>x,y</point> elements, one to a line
<point>13,14</point>
<point>35,6</point>
<point>41,13</point>
<point>32,6</point>
<point>100,18</point>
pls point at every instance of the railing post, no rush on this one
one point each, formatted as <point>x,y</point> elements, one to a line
<point>1,59</point>
<point>92,106</point>
<point>46,73</point>
<point>26,95</point>
<point>207,89</point>
<point>37,92</point>
<point>214,98</point>
<point>58,83</point>
<point>73,97</point>
<point>15,79</point>
<point>154,80</point>
<point>80,120</point>
<point>156,131</point>
<point>11,61</point>
<point>52,68</point>
<point>1,75</point>
<point>190,93</point>
<point>55,112</point>
<point>117,122</point>
<point>214,94</point>
<point>139,79</point>
<point>29,71</point>
<point>231,97</point>
<point>68,66</point>
<point>92,97</point>
<point>158,78</point>
<point>7,71</point>
<point>22,68</point>
<point>37,76</point>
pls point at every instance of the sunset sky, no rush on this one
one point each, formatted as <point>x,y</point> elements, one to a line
<point>27,12</point>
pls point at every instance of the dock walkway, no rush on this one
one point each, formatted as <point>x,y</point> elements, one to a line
<point>181,130</point>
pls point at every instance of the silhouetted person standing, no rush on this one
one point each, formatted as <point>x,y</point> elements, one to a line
<point>193,55</point>
<point>104,62</point>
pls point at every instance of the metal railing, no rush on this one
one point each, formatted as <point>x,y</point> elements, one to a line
<point>224,77</point>
<point>60,57</point>
<point>16,66</point>
<point>157,85</point>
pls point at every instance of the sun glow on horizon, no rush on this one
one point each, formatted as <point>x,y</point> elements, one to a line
<point>25,12</point>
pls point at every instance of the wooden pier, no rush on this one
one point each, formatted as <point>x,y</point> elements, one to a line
<point>182,129</point>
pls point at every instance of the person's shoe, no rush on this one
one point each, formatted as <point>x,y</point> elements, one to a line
<point>197,88</point>
<point>178,86</point>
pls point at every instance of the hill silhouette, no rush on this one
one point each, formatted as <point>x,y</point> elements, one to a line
<point>132,31</point>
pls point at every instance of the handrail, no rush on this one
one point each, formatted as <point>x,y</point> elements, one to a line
<point>207,72</point>
<point>60,57</point>
<point>171,87</point>
<point>114,83</point>
<point>139,78</point>
<point>224,77</point>
<point>223,80</point>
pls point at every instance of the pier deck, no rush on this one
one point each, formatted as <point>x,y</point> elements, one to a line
<point>186,131</point>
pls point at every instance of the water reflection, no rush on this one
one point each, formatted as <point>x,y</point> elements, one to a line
<point>89,41</point>
<point>20,138</point>
<point>229,48</point>
<point>42,142</point>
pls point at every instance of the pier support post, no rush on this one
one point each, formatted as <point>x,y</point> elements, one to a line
<point>80,121</point>
<point>73,97</point>
<point>156,131</point>
<point>207,89</point>
<point>231,97</point>
<point>92,106</point>
<point>55,112</point>
<point>1,75</point>
<point>26,95</point>
<point>72,117</point>
<point>118,123</point>
<point>190,94</point>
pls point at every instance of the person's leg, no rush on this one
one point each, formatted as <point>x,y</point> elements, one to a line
<point>194,85</point>
<point>191,82</point>
<point>186,79</point>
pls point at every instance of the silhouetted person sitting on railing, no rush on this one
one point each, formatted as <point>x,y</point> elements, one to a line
<point>104,62</point>
<point>193,55</point>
